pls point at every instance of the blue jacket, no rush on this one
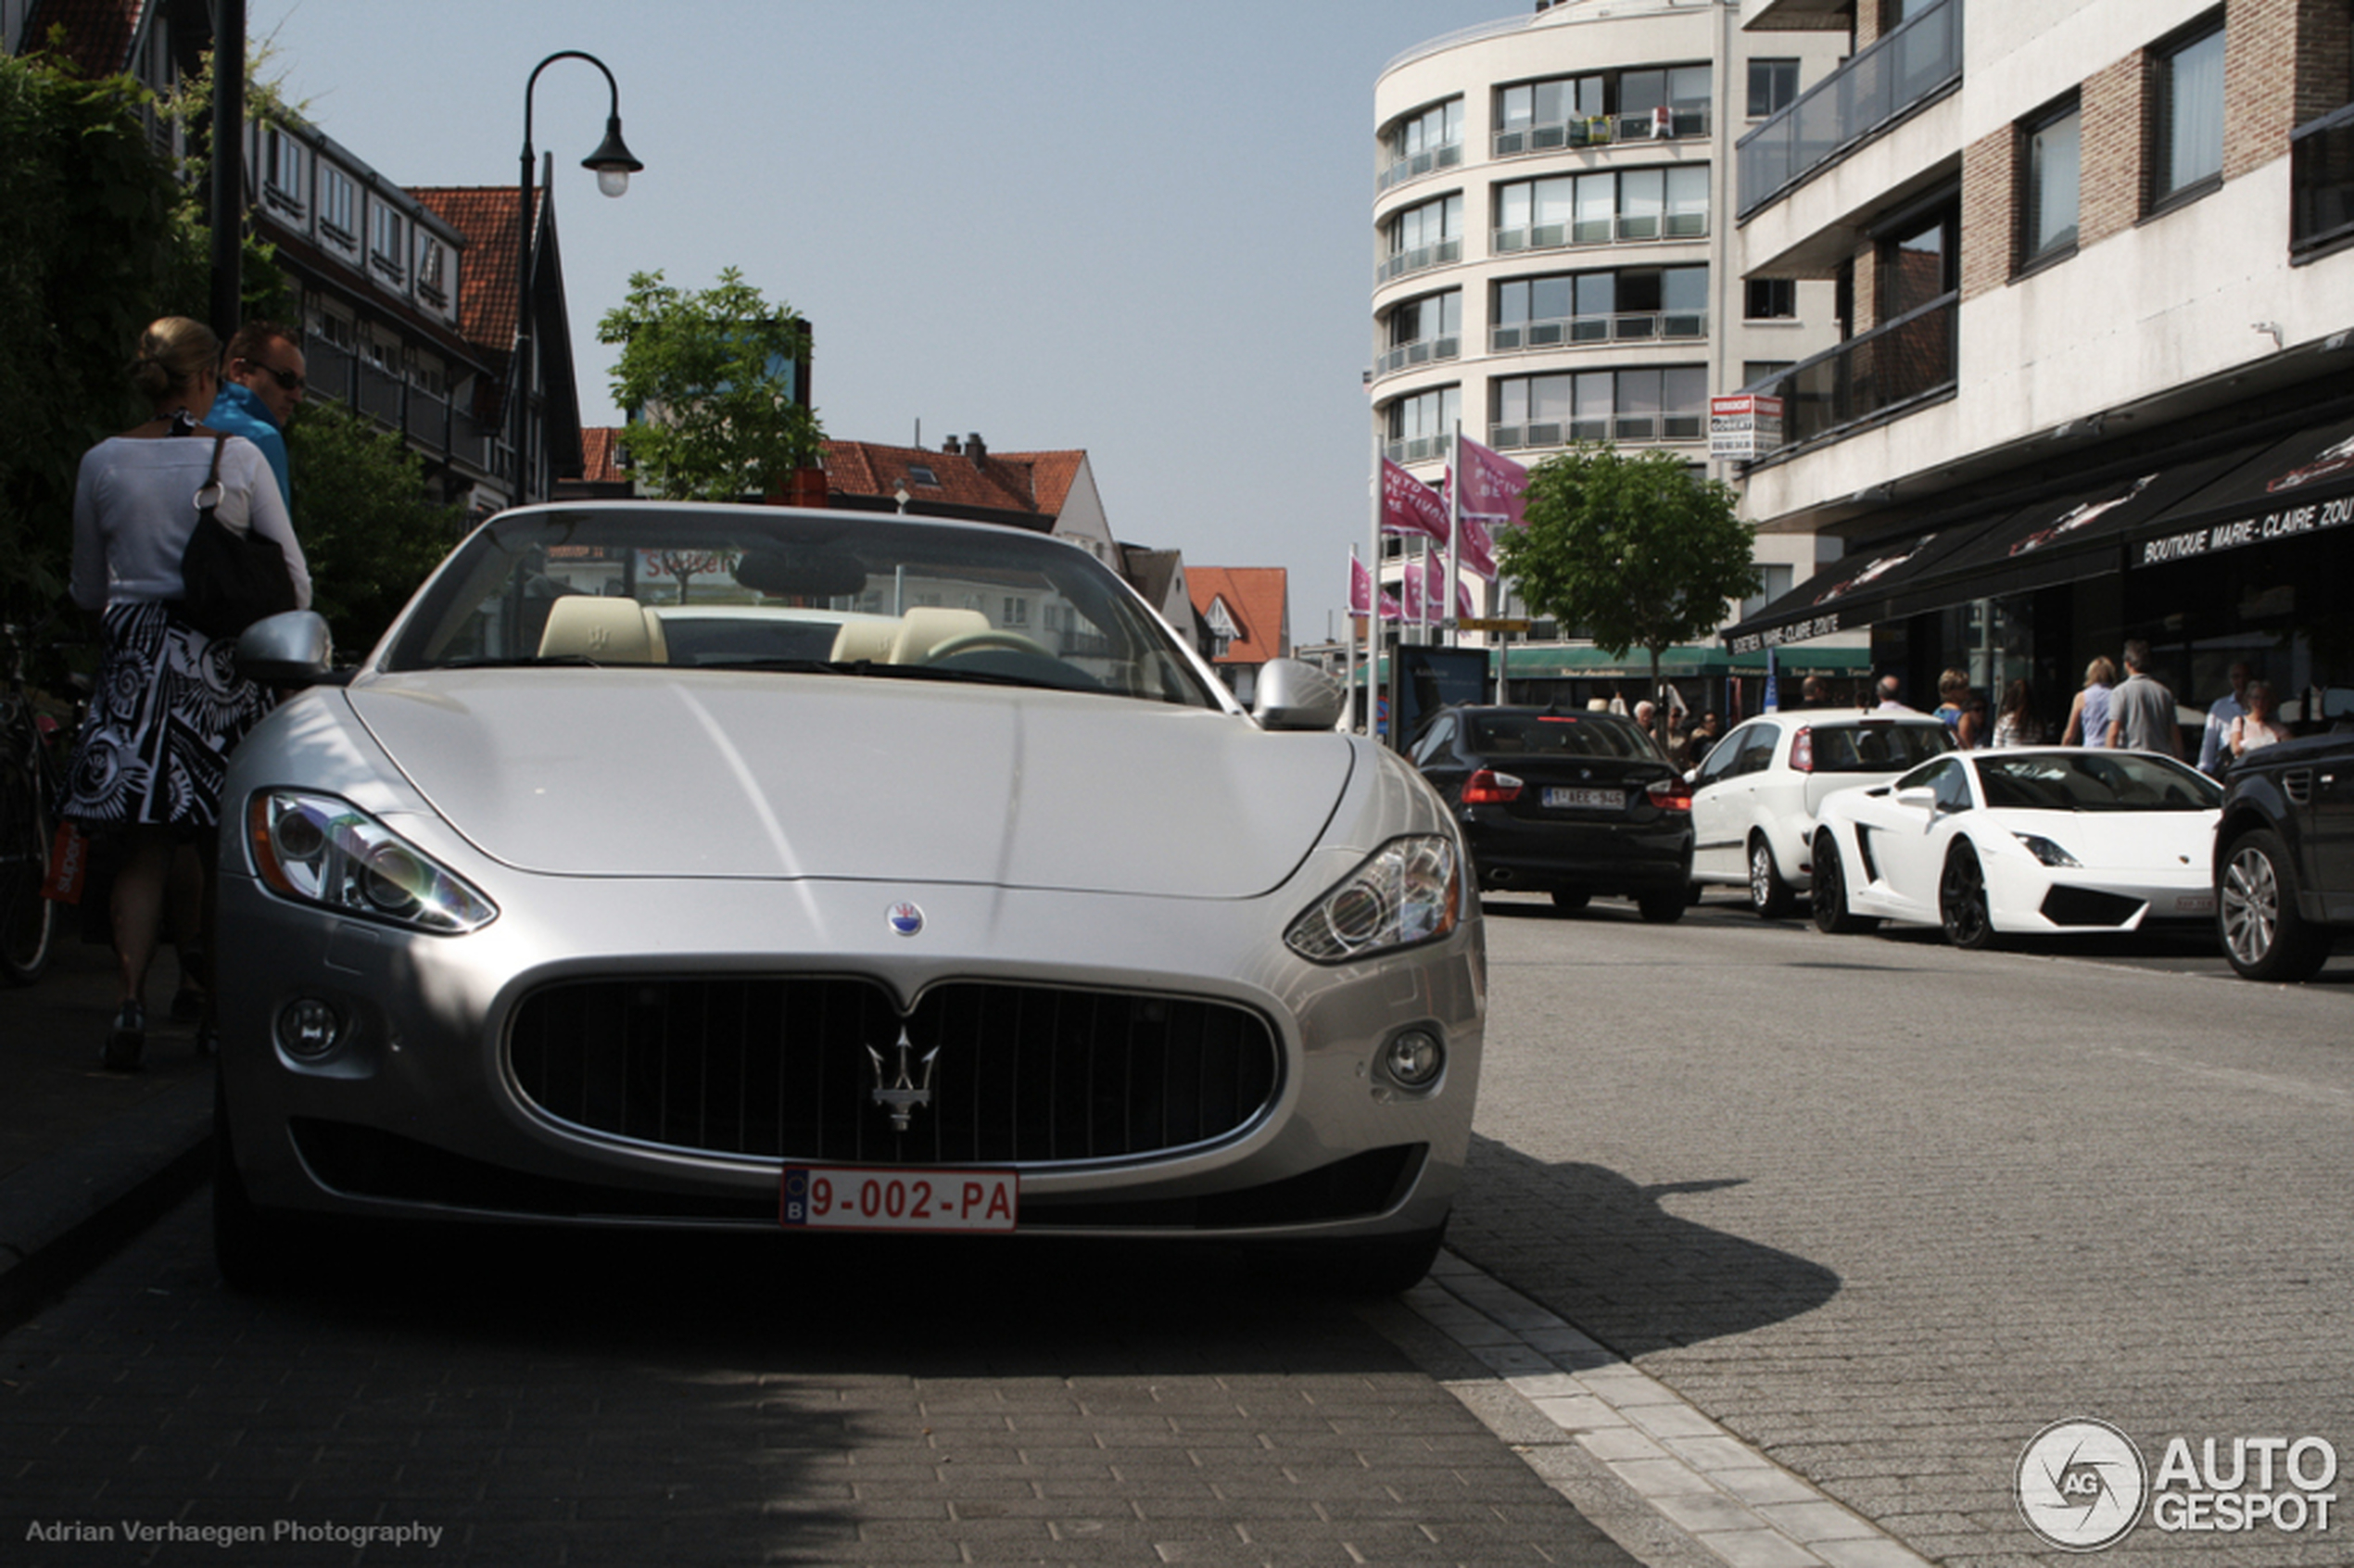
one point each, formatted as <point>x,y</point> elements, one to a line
<point>240,412</point>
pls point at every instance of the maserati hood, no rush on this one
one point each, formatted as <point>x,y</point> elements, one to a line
<point>646,774</point>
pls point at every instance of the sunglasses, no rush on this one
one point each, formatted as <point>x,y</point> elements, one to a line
<point>288,381</point>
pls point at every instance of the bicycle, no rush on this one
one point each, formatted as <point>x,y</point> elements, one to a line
<point>32,785</point>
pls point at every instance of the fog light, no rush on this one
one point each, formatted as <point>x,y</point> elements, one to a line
<point>1414,1059</point>
<point>309,1028</point>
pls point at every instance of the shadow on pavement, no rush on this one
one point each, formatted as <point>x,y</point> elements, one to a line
<point>1614,1259</point>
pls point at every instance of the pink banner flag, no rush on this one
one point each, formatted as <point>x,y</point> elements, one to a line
<point>1464,610</point>
<point>1434,583</point>
<point>1477,547</point>
<point>1495,487</point>
<point>1412,585</point>
<point>1408,506</point>
<point>1360,591</point>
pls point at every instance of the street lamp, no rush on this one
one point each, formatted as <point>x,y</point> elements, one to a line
<point>614,164</point>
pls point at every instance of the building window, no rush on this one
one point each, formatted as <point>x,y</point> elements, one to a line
<point>1420,143</point>
<point>1576,111</point>
<point>1016,613</point>
<point>433,266</point>
<point>1420,427</point>
<point>1427,234</point>
<point>1422,330</point>
<point>1759,373</point>
<point>1628,305</point>
<point>281,169</point>
<point>1779,580</point>
<point>1919,260</point>
<point>385,233</point>
<point>2051,159</point>
<point>1647,404</point>
<point>2187,150</point>
<point>336,205</point>
<point>1631,204</point>
<point>1772,85</point>
<point>1770,299</point>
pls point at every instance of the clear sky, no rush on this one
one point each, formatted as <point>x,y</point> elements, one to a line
<point>1141,229</point>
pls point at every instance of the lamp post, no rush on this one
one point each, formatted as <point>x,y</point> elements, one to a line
<point>614,164</point>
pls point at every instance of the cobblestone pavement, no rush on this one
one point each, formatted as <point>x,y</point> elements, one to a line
<point>643,1402</point>
<point>1885,1209</point>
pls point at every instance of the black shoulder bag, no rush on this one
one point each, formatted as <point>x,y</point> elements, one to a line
<point>229,580</point>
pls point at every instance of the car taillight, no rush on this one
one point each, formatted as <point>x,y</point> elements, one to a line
<point>1801,749</point>
<point>1488,787</point>
<point>1670,794</point>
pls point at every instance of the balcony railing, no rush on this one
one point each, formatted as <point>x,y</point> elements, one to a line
<point>1416,165</point>
<point>1421,351</point>
<point>1906,360</point>
<point>1601,131</point>
<point>1417,448</point>
<point>432,423</point>
<point>2320,178</point>
<point>1686,427</point>
<point>1578,332</point>
<point>1643,229</point>
<point>1420,258</point>
<point>1879,86</point>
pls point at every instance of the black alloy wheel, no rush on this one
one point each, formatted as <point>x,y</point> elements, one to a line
<point>1768,894</point>
<point>1961,901</point>
<point>2264,936</point>
<point>28,917</point>
<point>1828,892</point>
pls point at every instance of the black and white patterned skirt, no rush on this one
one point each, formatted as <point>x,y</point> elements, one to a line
<point>169,708</point>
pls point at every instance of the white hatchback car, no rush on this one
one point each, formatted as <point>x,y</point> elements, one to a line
<point>1756,796</point>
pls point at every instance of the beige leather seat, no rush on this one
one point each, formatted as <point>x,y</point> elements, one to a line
<point>869,640</point>
<point>927,626</point>
<point>609,631</point>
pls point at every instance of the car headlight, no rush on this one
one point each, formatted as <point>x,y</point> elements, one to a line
<point>1410,891</point>
<point>322,850</point>
<point>2045,850</point>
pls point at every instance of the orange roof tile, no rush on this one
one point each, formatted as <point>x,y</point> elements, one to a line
<point>1256,598</point>
<point>487,294</point>
<point>94,34</point>
<point>1036,483</point>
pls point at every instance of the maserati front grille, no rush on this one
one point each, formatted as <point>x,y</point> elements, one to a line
<point>825,1069</point>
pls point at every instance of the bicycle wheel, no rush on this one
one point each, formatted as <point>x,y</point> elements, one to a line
<point>27,921</point>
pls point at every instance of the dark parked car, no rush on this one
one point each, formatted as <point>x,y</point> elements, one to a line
<point>2284,857</point>
<point>1566,802</point>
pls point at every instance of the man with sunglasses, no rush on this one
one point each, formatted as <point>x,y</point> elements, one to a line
<point>261,380</point>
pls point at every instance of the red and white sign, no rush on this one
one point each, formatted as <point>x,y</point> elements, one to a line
<point>1744,426</point>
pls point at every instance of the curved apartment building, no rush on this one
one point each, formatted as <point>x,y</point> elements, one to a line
<point>1553,240</point>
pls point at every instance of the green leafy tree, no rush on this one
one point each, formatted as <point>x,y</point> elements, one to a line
<point>1632,549</point>
<point>370,528</point>
<point>707,378</point>
<point>100,235</point>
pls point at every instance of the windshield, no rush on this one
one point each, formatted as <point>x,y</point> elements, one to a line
<point>1557,735</point>
<point>770,588</point>
<point>1869,747</point>
<point>2094,781</point>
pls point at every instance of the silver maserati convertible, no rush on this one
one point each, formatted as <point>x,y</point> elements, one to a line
<point>754,867</point>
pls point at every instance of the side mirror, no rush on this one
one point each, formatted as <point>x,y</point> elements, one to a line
<point>293,649</point>
<point>1294,695</point>
<point>1921,798</point>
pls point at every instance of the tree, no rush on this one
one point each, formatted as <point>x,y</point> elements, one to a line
<point>1634,550</point>
<point>100,235</point>
<point>707,378</point>
<point>370,528</point>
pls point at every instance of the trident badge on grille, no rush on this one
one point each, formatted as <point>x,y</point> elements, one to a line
<point>901,1095</point>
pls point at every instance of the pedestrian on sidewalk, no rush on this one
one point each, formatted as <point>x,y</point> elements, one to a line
<point>2141,711</point>
<point>169,703</point>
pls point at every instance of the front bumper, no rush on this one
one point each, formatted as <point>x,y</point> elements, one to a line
<point>418,1107</point>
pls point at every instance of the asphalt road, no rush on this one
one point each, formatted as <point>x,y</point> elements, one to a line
<point>1885,1210</point>
<point>1880,1209</point>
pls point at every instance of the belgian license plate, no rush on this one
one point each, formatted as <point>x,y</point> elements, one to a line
<point>1559,799</point>
<point>849,1199</point>
<point>2195,904</point>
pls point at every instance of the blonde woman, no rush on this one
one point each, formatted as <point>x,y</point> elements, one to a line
<point>2088,715</point>
<point>2257,727</point>
<point>169,704</point>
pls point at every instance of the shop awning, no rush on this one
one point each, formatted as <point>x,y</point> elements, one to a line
<point>2237,497</point>
<point>1559,661</point>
